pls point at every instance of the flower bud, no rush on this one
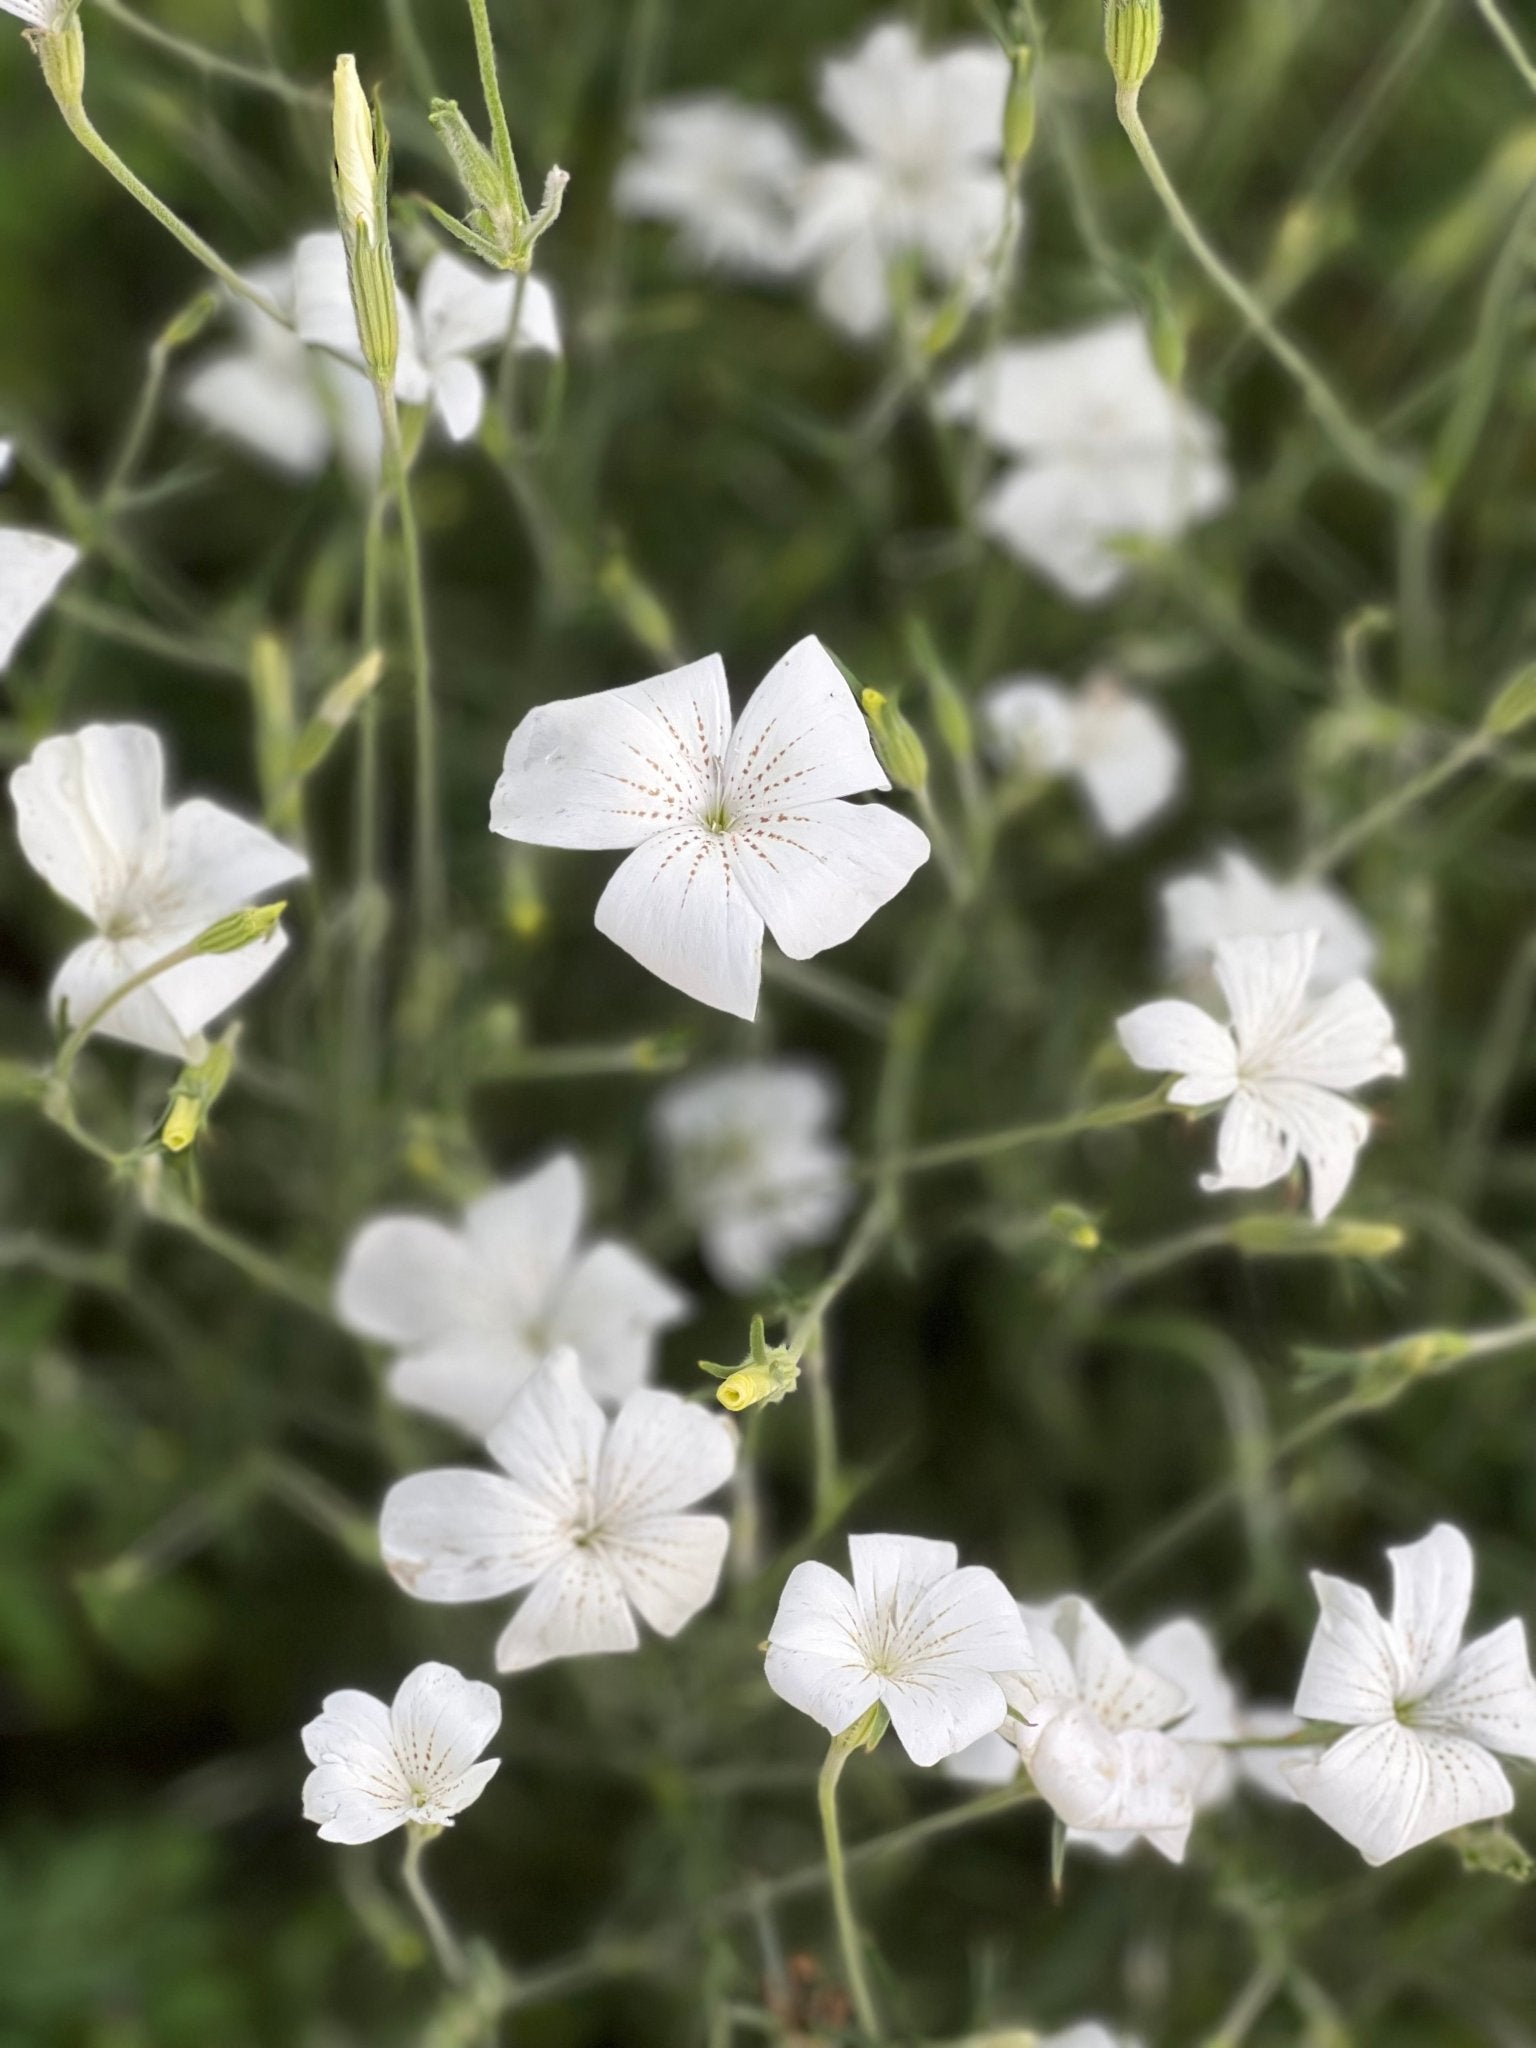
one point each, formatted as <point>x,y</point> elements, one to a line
<point>240,929</point>
<point>357,170</point>
<point>55,34</point>
<point>765,1376</point>
<point>1074,1226</point>
<point>197,1089</point>
<point>1132,31</point>
<point>361,181</point>
<point>1019,109</point>
<point>902,754</point>
<point>1340,1236</point>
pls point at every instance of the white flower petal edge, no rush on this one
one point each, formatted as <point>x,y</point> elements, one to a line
<point>32,566</point>
<point>730,831</point>
<point>725,173</point>
<point>1120,747</point>
<point>590,1516</point>
<point>1236,899</point>
<point>378,1767</point>
<point>1427,1716</point>
<point>1281,1067</point>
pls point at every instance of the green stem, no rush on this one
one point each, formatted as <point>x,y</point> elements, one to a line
<point>1473,747</point>
<point>445,1947</point>
<point>841,1748</point>
<point>1513,48</point>
<point>987,1143</point>
<point>490,85</point>
<point>429,880</point>
<point>70,1050</point>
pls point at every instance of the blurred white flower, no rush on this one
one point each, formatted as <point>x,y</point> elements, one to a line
<point>460,313</point>
<point>725,173</point>
<point>91,819</point>
<point>1120,747</point>
<point>753,1165</point>
<point>1427,1717</point>
<point>6,454</point>
<point>378,1767</point>
<point>1087,2034</point>
<point>925,184</point>
<point>732,830</point>
<point>1102,450</point>
<point>472,1310</point>
<point>32,566</point>
<point>1282,1068</point>
<point>590,1517</point>
<point>1266,1765</point>
<point>913,1631</point>
<point>1238,900</point>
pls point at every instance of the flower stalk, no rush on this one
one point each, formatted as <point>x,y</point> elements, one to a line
<point>864,1734</point>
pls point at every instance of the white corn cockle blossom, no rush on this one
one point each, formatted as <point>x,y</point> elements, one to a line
<point>32,566</point>
<point>1282,1068</point>
<point>1101,450</point>
<point>1236,900</point>
<point>753,1166</point>
<point>915,1631</point>
<point>460,313</point>
<point>725,173</point>
<point>1427,1716</point>
<point>1119,747</point>
<point>91,818</point>
<point>925,184</point>
<point>472,1310</point>
<point>589,1516</point>
<point>731,830</point>
<point>1090,1721</point>
<point>378,1768</point>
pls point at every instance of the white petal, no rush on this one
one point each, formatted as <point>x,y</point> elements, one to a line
<point>324,314</point>
<point>458,392</point>
<point>1178,1038</point>
<point>1095,390</point>
<point>992,1760</point>
<point>523,1234</point>
<point>969,1618</point>
<point>853,284</point>
<point>463,310</point>
<point>1128,758</point>
<point>1265,984</point>
<point>93,971</point>
<point>610,1311</point>
<point>349,1812</point>
<point>942,1709</point>
<point>466,1378</point>
<point>817,876</point>
<point>1325,1129</point>
<point>1136,1781</point>
<point>577,1609</point>
<point>1386,1788</point>
<point>1353,1671</point>
<point>676,907</point>
<point>32,566</point>
<point>1487,1694</point>
<point>550,1440</point>
<point>270,408</point>
<point>1029,720</point>
<point>89,816</point>
<point>538,320</point>
<point>891,1573</point>
<point>1238,898</point>
<point>1059,518</point>
<point>1266,1766</point>
<point>619,766</point>
<point>216,861</point>
<point>662,1453</point>
<point>1431,1598</point>
<point>815,1657</point>
<point>452,1536</point>
<point>403,1280</point>
<point>725,172</point>
<point>440,1722</point>
<point>865,91</point>
<point>668,1565</point>
<point>1182,1651</point>
<point>802,739</point>
<point>465,1789</point>
<point>351,1726</point>
<point>1122,1691</point>
<point>1254,1146</point>
<point>1343,1041</point>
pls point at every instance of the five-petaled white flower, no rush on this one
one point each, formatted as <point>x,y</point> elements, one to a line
<point>1238,900</point>
<point>472,1311</point>
<point>915,1631</point>
<point>1427,1717</point>
<point>731,830</point>
<point>590,1516</point>
<point>460,313</point>
<point>1102,450</point>
<point>1281,1068</point>
<point>925,184</point>
<point>1119,747</point>
<point>753,1166</point>
<point>91,819</point>
<point>378,1768</point>
<point>725,173</point>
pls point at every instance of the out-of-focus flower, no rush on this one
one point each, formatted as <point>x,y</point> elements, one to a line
<point>91,819</point>
<point>1236,899</point>
<point>915,1632</point>
<point>731,830</point>
<point>32,566</point>
<point>726,174</point>
<point>1427,1717</point>
<point>378,1768</point>
<point>753,1166</point>
<point>589,1516</point>
<point>1102,450</point>
<point>1120,748</point>
<point>460,313</point>
<point>1283,1067</point>
<point>925,185</point>
<point>472,1311</point>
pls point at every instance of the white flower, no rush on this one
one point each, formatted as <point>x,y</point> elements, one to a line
<point>1086,2034</point>
<point>6,455</point>
<point>290,406</point>
<point>378,1767</point>
<point>32,566</point>
<point>1238,900</point>
<point>1120,747</point>
<point>590,1517</point>
<point>926,181</point>
<point>1281,1069</point>
<point>1103,450</point>
<point>460,313</point>
<point>91,820</point>
<point>726,173</point>
<point>1427,1717</point>
<point>472,1311</point>
<point>912,1631</point>
<point>1089,1720</point>
<point>731,829</point>
<point>40,14</point>
<point>753,1165</point>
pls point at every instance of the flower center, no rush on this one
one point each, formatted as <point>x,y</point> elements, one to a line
<point>717,818</point>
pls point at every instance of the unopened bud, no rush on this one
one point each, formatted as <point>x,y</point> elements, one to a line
<point>765,1376</point>
<point>240,929</point>
<point>188,324</point>
<point>1342,1237</point>
<point>361,183</point>
<point>1019,108</point>
<point>902,754</point>
<point>1513,706</point>
<point>357,170</point>
<point>53,30</point>
<point>197,1089</point>
<point>1132,31</point>
<point>1074,1226</point>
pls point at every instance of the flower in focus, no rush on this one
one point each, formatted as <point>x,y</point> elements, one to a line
<point>925,184</point>
<point>91,819</point>
<point>378,1768</point>
<point>1427,1717</point>
<point>753,1166</point>
<point>1237,900</point>
<point>590,1517</point>
<point>725,173</point>
<point>1101,450</point>
<point>32,566</point>
<point>731,830</point>
<point>471,1311</point>
<point>460,313</point>
<point>1282,1068</point>
<point>1120,747</point>
<point>914,1631</point>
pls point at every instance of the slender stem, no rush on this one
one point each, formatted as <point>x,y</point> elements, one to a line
<point>823,1429</point>
<point>860,1248</point>
<point>986,1143</point>
<point>490,85</point>
<point>70,1050</point>
<point>211,63</point>
<point>445,1947</point>
<point>1504,30</point>
<point>959,883</point>
<point>841,1748</point>
<point>429,880</point>
<point>1474,746</point>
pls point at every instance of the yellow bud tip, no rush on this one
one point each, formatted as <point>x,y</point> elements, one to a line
<point>874,703</point>
<point>744,1389</point>
<point>181,1126</point>
<point>352,138</point>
